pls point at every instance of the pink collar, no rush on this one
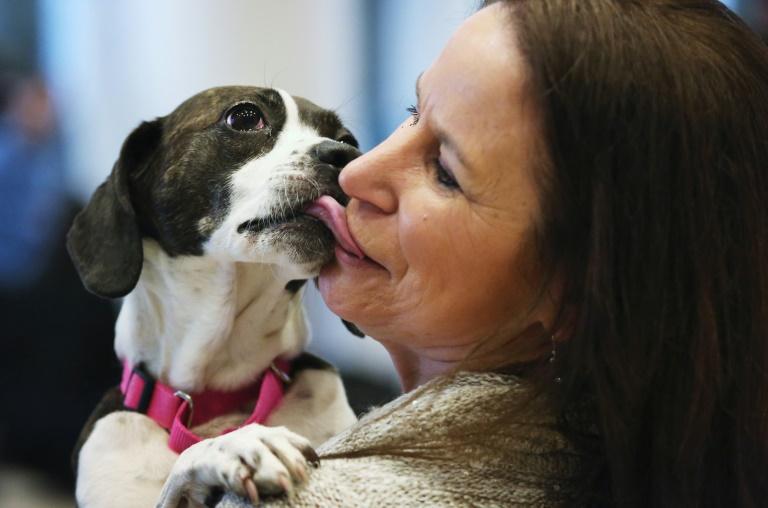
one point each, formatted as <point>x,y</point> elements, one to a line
<point>176,411</point>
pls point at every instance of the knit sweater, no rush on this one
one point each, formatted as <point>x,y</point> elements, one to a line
<point>529,464</point>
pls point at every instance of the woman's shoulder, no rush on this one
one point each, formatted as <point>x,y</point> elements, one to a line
<point>437,408</point>
<point>466,439</point>
<point>455,398</point>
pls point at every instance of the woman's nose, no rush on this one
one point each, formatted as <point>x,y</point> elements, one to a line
<point>367,179</point>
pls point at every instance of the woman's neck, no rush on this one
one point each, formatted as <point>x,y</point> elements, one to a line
<point>416,367</point>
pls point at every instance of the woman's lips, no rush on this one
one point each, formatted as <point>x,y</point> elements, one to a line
<point>331,213</point>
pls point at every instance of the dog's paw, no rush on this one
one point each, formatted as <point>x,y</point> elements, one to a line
<point>251,461</point>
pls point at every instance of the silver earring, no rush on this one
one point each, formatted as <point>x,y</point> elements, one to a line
<point>553,357</point>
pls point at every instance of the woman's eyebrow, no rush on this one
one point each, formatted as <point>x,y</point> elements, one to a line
<point>442,135</point>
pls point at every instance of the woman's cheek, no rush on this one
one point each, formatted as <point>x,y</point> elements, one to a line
<point>422,238</point>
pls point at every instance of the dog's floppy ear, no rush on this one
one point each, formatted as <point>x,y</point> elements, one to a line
<point>105,240</point>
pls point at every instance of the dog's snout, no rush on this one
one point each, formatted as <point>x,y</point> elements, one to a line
<point>336,153</point>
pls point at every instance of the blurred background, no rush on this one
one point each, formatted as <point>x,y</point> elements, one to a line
<point>76,77</point>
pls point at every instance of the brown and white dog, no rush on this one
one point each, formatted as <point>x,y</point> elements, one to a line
<point>210,222</point>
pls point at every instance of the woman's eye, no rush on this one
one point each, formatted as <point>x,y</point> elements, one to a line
<point>245,117</point>
<point>414,111</point>
<point>444,177</point>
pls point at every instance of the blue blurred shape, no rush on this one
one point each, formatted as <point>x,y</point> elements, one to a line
<point>31,197</point>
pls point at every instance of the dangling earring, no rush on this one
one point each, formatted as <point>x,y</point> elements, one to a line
<point>553,356</point>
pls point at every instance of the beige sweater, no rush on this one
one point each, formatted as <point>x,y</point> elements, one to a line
<point>532,464</point>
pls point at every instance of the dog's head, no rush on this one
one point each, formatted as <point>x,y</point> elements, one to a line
<point>227,174</point>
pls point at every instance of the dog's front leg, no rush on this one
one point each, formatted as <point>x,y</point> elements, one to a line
<point>123,463</point>
<point>250,461</point>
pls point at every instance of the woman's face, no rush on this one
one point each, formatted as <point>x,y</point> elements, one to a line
<point>445,207</point>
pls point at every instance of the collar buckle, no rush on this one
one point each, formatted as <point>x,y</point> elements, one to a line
<point>281,375</point>
<point>190,403</point>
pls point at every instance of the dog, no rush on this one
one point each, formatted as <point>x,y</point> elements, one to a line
<point>210,222</point>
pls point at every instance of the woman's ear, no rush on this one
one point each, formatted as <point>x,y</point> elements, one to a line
<point>566,324</point>
<point>105,241</point>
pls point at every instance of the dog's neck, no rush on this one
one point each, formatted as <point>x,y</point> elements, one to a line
<point>199,323</point>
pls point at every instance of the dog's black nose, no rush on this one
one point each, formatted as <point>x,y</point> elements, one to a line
<point>336,153</point>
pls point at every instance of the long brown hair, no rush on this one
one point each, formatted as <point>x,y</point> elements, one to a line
<point>655,192</point>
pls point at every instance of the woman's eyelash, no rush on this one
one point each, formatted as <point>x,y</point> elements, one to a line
<point>414,111</point>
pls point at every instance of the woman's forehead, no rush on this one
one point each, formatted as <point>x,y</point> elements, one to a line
<point>475,93</point>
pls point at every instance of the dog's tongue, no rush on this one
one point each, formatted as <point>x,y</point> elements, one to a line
<point>331,213</point>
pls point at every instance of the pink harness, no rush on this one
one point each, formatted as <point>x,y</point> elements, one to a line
<point>177,411</point>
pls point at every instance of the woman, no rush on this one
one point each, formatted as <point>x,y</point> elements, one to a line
<point>568,262</point>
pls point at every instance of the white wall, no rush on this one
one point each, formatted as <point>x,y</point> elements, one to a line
<point>411,38</point>
<point>115,63</point>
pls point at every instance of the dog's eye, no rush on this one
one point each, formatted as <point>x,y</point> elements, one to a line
<point>349,139</point>
<point>245,117</point>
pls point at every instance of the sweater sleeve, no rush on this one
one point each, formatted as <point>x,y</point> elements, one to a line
<point>385,482</point>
